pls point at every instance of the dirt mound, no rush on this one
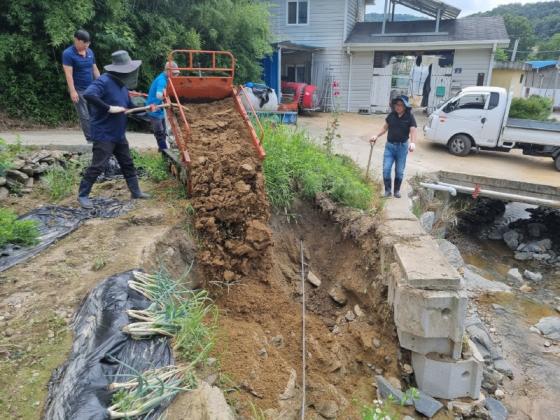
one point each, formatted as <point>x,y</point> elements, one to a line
<point>228,194</point>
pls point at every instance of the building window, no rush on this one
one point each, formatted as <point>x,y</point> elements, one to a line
<point>298,12</point>
<point>296,73</point>
<point>480,79</point>
<point>521,78</point>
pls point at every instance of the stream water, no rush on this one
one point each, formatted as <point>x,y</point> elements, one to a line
<point>534,393</point>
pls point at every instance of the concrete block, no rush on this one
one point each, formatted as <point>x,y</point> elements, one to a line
<point>424,266</point>
<point>423,345</point>
<point>393,278</point>
<point>398,209</point>
<point>430,313</point>
<point>386,389</point>
<point>426,405</point>
<point>404,229</point>
<point>442,377</point>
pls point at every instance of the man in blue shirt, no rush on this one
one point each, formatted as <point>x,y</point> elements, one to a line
<point>109,98</point>
<point>78,61</point>
<point>155,97</point>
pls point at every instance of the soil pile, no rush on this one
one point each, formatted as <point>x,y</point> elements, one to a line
<point>228,194</point>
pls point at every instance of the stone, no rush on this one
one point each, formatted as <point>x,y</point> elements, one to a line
<point>491,378</point>
<point>407,369</point>
<point>16,176</point>
<point>547,343</point>
<point>534,329</point>
<point>502,366</point>
<point>427,220</point>
<point>211,361</point>
<point>205,402</point>
<point>424,345</point>
<point>290,390</point>
<point>481,339</point>
<point>358,311</point>
<point>514,275</point>
<point>313,279</point>
<point>523,256</point>
<point>2,181</point>
<point>28,170</point>
<point>451,252</point>
<point>557,309</point>
<point>529,275</point>
<point>242,187</point>
<point>496,409</point>
<point>8,332</point>
<point>395,383</point>
<point>17,164</point>
<point>328,409</point>
<point>536,229</point>
<point>541,257</point>
<point>462,408</point>
<point>534,247</point>
<point>512,238</point>
<point>277,341</point>
<point>338,295</point>
<point>545,244</point>
<point>526,288</point>
<point>427,405</point>
<point>4,193</point>
<point>442,377</point>
<point>40,169</point>
<point>550,327</point>
<point>424,267</point>
<point>350,316</point>
<point>385,388</point>
<point>29,183</point>
<point>376,343</point>
<point>500,394</point>
<point>476,284</point>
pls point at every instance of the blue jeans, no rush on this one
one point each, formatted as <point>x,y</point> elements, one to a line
<point>160,132</point>
<point>395,153</point>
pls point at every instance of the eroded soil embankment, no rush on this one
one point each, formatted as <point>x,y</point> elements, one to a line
<point>228,195</point>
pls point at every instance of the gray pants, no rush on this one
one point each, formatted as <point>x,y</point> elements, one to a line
<point>83,114</point>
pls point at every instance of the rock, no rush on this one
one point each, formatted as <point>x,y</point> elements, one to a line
<point>350,316</point>
<point>461,408</point>
<point>358,311</point>
<point>395,383</point>
<point>557,309</point>
<point>514,275</point>
<point>242,187</point>
<point>545,244</point>
<point>205,402</point>
<point>502,366</point>
<point>29,183</point>
<point>427,220</point>
<point>481,339</point>
<point>407,369</point>
<point>541,257</point>
<point>2,181</point>
<point>451,252</point>
<point>328,409</point>
<point>8,332</point>
<point>547,343</point>
<point>475,283</point>
<point>277,341</point>
<point>313,279</point>
<point>263,353</point>
<point>523,256</point>
<point>549,327</point>
<point>385,388</point>
<point>290,390</point>
<point>40,169</point>
<point>17,164</point>
<point>376,343</point>
<point>247,169</point>
<point>529,275</point>
<point>16,176</point>
<point>512,238</point>
<point>229,275</point>
<point>500,394</point>
<point>496,409</point>
<point>534,329</point>
<point>536,229</point>
<point>526,288</point>
<point>211,361</point>
<point>427,405</point>
<point>4,193</point>
<point>338,295</point>
<point>28,170</point>
<point>534,247</point>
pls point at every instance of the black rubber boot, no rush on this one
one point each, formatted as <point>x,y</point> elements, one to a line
<point>397,189</point>
<point>83,194</point>
<point>387,183</point>
<point>135,191</point>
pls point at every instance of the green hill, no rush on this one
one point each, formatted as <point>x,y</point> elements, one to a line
<point>378,17</point>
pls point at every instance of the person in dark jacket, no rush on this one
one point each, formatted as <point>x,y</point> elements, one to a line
<point>401,125</point>
<point>108,98</point>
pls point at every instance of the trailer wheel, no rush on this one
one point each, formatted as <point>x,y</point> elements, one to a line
<point>557,163</point>
<point>460,145</point>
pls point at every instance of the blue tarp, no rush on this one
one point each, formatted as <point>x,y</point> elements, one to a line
<point>539,64</point>
<point>270,71</point>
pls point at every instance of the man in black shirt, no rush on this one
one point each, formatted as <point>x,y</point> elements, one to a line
<point>402,127</point>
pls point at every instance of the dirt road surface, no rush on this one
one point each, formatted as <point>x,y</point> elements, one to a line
<point>357,129</point>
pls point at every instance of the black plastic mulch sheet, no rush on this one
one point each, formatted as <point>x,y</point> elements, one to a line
<point>55,222</point>
<point>78,390</point>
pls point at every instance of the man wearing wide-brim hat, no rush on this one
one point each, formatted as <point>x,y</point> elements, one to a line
<point>108,97</point>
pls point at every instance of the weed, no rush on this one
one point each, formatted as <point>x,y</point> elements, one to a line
<point>18,232</point>
<point>152,163</point>
<point>296,166</point>
<point>388,409</point>
<point>331,133</point>
<point>59,182</point>
<point>8,152</point>
<point>256,412</point>
<point>98,263</point>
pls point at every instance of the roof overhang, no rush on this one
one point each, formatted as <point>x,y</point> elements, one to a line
<point>433,8</point>
<point>292,46</point>
<point>508,65</point>
<point>435,45</point>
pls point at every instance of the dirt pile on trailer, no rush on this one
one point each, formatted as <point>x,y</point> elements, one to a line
<point>228,194</point>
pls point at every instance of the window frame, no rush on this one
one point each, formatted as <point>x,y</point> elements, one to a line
<point>297,12</point>
<point>296,67</point>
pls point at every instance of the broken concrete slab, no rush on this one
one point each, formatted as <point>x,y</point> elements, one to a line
<point>404,229</point>
<point>424,345</point>
<point>442,377</point>
<point>425,267</point>
<point>430,313</point>
<point>386,389</point>
<point>398,210</point>
<point>427,405</point>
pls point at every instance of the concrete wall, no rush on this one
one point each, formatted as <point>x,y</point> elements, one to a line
<point>510,80</point>
<point>470,62</point>
<point>361,81</point>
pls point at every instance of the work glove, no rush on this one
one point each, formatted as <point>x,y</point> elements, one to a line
<point>116,109</point>
<point>159,94</point>
<point>411,147</point>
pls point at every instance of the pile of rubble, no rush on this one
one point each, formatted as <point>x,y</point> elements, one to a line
<point>27,167</point>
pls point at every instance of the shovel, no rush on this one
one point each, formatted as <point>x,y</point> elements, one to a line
<point>150,108</point>
<point>369,160</point>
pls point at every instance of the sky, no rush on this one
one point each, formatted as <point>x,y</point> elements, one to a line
<point>467,6</point>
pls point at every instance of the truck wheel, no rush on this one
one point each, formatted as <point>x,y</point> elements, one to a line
<point>460,145</point>
<point>557,163</point>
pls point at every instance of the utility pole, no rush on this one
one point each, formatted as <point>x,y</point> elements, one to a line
<point>514,53</point>
<point>555,83</point>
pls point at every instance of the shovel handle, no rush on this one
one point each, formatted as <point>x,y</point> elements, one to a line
<point>144,108</point>
<point>369,160</point>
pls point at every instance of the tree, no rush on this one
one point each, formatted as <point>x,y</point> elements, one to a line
<point>33,35</point>
<point>519,27</point>
<point>549,50</point>
<point>501,55</point>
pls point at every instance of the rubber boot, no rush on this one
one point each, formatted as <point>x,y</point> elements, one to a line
<point>83,194</point>
<point>397,189</point>
<point>387,183</point>
<point>162,145</point>
<point>135,191</point>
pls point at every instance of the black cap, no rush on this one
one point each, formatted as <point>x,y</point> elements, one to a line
<point>82,35</point>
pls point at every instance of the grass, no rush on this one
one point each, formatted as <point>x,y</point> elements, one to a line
<point>388,409</point>
<point>8,153</point>
<point>295,166</point>
<point>59,182</point>
<point>18,232</point>
<point>152,163</point>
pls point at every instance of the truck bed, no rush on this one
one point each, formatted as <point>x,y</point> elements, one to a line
<point>544,133</point>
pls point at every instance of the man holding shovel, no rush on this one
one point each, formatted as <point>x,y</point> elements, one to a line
<point>109,99</point>
<point>401,140</point>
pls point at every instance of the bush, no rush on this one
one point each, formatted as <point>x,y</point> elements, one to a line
<point>296,166</point>
<point>531,108</point>
<point>18,232</point>
<point>152,163</point>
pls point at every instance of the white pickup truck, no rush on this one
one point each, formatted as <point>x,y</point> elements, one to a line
<point>477,117</point>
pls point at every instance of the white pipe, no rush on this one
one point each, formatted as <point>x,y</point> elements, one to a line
<point>505,196</point>
<point>440,187</point>
<point>349,83</point>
